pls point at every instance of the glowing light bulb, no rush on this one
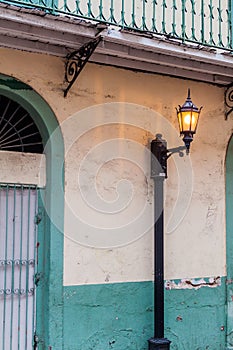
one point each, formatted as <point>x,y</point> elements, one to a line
<point>187,119</point>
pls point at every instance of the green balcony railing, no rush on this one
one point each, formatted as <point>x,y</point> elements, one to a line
<point>205,22</point>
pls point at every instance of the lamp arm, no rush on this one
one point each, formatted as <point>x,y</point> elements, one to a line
<point>179,150</point>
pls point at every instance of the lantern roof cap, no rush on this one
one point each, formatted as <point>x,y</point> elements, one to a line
<point>189,105</point>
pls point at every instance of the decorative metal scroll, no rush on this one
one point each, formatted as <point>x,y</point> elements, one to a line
<point>17,262</point>
<point>229,100</point>
<point>77,60</point>
<point>17,291</point>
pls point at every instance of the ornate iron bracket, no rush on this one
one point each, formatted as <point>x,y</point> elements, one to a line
<point>160,155</point>
<point>229,100</point>
<point>77,60</point>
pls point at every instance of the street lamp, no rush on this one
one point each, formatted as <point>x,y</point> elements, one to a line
<point>188,115</point>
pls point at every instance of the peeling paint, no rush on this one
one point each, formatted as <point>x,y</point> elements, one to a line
<point>107,278</point>
<point>70,294</point>
<point>193,283</point>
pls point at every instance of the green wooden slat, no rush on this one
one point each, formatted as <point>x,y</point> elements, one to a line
<point>220,20</point>
<point>183,24</point>
<point>122,13</point>
<point>211,17</point>
<point>112,18</point>
<point>144,27</point>
<point>174,11</point>
<point>78,10</point>
<point>164,7</point>
<point>202,21</point>
<point>154,6</point>
<point>101,9</point>
<point>89,9</point>
<point>133,21</point>
<point>194,14</point>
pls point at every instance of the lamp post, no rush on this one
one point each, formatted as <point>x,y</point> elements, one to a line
<point>188,115</point>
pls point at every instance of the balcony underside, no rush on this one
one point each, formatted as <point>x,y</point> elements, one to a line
<point>37,31</point>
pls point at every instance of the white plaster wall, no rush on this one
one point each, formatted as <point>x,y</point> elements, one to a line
<point>195,242</point>
<point>22,168</point>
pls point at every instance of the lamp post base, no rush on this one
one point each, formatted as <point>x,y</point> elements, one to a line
<point>159,344</point>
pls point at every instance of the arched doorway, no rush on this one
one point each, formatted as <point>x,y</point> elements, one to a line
<point>49,208</point>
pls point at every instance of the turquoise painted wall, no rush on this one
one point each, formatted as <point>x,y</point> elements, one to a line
<point>196,319</point>
<point>120,316</point>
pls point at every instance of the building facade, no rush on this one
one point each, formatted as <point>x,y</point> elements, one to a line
<point>77,214</point>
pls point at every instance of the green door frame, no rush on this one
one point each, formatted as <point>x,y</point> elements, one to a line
<point>229,244</point>
<point>50,286</point>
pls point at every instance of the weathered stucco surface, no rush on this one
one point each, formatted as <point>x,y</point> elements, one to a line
<point>108,120</point>
<point>198,238</point>
<point>23,168</point>
<point>120,316</point>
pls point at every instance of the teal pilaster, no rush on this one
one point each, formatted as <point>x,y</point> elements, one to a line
<point>229,242</point>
